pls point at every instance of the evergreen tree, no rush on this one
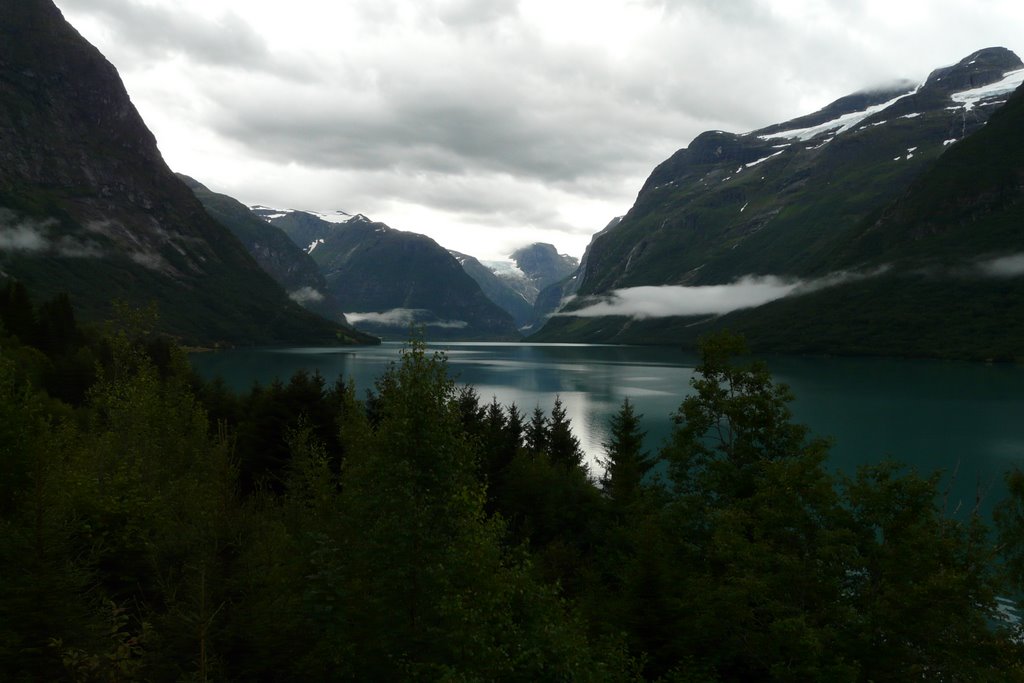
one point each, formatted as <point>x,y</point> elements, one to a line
<point>536,433</point>
<point>421,583</point>
<point>563,446</point>
<point>626,463</point>
<point>514,429</point>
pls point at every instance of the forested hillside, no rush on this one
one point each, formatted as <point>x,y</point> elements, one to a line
<point>157,527</point>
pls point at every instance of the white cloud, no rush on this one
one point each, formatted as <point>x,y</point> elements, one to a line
<point>33,236</point>
<point>403,317</point>
<point>669,301</point>
<point>22,238</point>
<point>305,295</point>
<point>23,234</point>
<point>487,123</point>
<point>1004,266</point>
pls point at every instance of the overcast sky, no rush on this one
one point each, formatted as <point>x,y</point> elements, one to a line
<point>489,124</point>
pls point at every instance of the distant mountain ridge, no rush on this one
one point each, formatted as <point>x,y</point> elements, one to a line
<point>497,288</point>
<point>88,206</point>
<point>388,280</point>
<point>274,251</point>
<point>805,199</point>
<point>514,285</point>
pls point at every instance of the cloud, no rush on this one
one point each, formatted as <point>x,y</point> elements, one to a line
<point>157,32</point>
<point>1004,266</point>
<point>750,291</point>
<point>305,295</point>
<point>74,247</point>
<point>23,234</point>
<point>404,317</point>
<point>33,236</point>
<point>149,259</point>
<point>560,107</point>
<point>22,238</point>
<point>667,301</point>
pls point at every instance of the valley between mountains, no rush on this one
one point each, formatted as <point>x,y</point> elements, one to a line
<point>888,223</point>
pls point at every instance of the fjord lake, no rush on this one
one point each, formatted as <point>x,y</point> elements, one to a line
<point>965,419</point>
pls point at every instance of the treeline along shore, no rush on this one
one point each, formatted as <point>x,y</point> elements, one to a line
<point>158,527</point>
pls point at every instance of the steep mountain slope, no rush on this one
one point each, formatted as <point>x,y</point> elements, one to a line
<point>954,246</point>
<point>88,205</point>
<point>274,251</point>
<point>386,280</point>
<point>553,296</point>
<point>910,191</point>
<point>774,200</point>
<point>497,289</point>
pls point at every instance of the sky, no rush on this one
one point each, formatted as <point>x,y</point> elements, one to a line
<point>491,124</point>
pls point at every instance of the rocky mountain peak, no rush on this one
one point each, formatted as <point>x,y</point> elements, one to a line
<point>975,70</point>
<point>542,263</point>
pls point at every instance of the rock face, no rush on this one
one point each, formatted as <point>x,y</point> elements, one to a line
<point>87,204</point>
<point>543,264</point>
<point>863,184</point>
<point>387,280</point>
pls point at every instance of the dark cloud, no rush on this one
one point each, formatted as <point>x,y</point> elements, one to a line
<point>155,32</point>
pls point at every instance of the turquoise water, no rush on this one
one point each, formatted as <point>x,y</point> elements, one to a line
<point>959,417</point>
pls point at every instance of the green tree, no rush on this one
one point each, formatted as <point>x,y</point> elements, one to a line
<point>418,573</point>
<point>923,585</point>
<point>536,432</point>
<point>755,572</point>
<point>626,463</point>
<point>563,446</point>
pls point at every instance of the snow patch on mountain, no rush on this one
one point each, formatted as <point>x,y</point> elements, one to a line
<point>837,125</point>
<point>505,268</point>
<point>755,163</point>
<point>269,213</point>
<point>968,99</point>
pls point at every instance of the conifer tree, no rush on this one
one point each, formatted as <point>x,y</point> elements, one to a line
<point>536,433</point>
<point>626,463</point>
<point>563,446</point>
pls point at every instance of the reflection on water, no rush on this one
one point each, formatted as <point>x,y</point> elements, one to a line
<point>932,415</point>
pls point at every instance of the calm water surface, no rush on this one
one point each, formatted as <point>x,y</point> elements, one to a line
<point>962,417</point>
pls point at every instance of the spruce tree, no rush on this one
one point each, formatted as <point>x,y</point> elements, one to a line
<point>626,463</point>
<point>563,446</point>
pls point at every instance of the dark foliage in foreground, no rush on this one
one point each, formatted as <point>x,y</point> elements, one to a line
<point>155,527</point>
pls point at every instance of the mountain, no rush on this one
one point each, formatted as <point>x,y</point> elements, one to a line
<point>536,266</point>
<point>555,295</point>
<point>848,202</point>
<point>386,280</point>
<point>274,251</point>
<point>497,289</point>
<point>88,206</point>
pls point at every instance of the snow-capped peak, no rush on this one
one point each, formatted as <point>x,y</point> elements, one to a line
<point>333,216</point>
<point>268,214</point>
